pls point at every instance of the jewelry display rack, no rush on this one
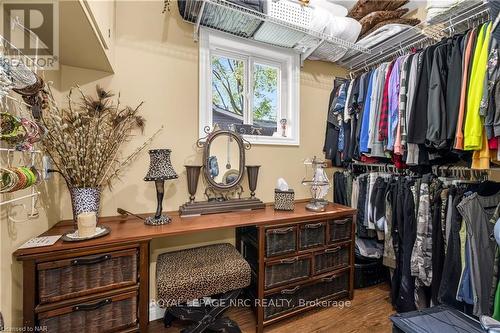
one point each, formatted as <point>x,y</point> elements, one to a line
<point>34,193</point>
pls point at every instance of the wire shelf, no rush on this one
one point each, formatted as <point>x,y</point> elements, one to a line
<point>455,19</point>
<point>246,23</point>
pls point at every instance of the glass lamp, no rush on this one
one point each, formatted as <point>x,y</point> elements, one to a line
<point>160,169</point>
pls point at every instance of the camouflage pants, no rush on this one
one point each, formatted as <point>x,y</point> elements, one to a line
<point>421,258</point>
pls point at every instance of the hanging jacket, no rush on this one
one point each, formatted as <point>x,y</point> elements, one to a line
<point>417,125</point>
<point>453,86</point>
<point>469,51</point>
<point>436,102</point>
<point>473,122</point>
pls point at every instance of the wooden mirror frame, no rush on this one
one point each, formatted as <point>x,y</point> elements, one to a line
<point>206,154</point>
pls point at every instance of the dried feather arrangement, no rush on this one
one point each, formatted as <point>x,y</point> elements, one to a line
<point>84,139</point>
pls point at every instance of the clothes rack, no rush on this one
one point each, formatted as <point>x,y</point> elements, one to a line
<point>473,12</point>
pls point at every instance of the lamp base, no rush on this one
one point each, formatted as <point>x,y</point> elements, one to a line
<point>152,220</point>
<point>316,206</point>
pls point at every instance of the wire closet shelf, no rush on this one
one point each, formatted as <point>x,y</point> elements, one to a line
<point>243,22</point>
<point>456,19</point>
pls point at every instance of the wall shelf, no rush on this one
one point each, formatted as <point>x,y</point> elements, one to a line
<point>454,20</point>
<point>245,23</point>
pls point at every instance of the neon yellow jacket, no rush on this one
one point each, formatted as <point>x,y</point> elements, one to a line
<point>473,122</point>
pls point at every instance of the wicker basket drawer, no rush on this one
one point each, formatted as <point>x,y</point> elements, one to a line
<point>331,259</point>
<point>74,277</point>
<point>101,315</point>
<point>312,235</point>
<point>281,241</point>
<point>340,229</point>
<point>286,271</point>
<point>289,299</point>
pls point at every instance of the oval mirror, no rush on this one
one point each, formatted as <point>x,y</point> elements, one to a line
<point>224,160</point>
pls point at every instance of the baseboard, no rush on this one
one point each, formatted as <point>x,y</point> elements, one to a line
<point>155,312</point>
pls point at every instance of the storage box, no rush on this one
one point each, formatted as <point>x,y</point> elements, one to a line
<point>284,200</point>
<point>369,272</point>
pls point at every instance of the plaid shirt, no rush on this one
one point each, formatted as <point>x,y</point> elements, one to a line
<point>384,110</point>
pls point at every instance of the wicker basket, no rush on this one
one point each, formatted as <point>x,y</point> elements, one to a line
<point>69,278</point>
<point>340,229</point>
<point>102,315</point>
<point>281,241</point>
<point>331,259</point>
<point>312,235</point>
<point>286,271</point>
<point>290,298</point>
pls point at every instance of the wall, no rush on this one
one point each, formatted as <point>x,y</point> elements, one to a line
<point>156,61</point>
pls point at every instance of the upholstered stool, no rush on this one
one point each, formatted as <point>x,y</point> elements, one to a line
<point>192,274</point>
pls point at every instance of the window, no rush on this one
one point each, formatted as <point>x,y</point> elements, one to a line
<point>249,88</point>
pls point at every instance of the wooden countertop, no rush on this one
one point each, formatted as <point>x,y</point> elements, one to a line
<point>128,229</point>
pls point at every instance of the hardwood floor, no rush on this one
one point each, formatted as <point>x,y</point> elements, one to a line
<point>368,313</point>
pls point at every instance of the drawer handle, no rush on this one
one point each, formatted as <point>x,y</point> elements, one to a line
<point>94,306</point>
<point>313,226</point>
<point>333,250</point>
<point>329,279</point>
<point>281,231</point>
<point>90,261</point>
<point>344,221</point>
<point>290,291</point>
<point>289,260</point>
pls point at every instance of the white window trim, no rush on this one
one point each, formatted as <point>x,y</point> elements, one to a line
<point>214,41</point>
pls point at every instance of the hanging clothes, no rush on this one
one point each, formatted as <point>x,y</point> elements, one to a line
<point>440,103</point>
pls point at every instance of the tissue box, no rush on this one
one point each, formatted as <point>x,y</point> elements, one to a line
<point>284,200</point>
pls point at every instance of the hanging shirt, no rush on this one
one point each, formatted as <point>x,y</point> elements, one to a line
<point>412,148</point>
<point>384,108</point>
<point>473,122</point>
<point>376,146</point>
<point>364,138</point>
<point>393,104</point>
<point>348,102</point>
<point>459,135</point>
<point>403,78</point>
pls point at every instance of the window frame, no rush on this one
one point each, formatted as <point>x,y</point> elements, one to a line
<point>214,42</point>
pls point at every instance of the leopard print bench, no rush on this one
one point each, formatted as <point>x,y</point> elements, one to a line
<point>190,274</point>
<point>200,272</point>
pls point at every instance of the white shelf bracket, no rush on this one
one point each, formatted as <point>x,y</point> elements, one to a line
<point>196,33</point>
<point>306,54</point>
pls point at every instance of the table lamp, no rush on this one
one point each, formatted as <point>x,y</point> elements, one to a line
<point>160,169</point>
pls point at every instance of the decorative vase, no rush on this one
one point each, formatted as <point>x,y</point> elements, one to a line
<point>253,175</point>
<point>193,174</point>
<point>85,199</point>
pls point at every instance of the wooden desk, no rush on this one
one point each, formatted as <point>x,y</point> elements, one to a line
<point>130,233</point>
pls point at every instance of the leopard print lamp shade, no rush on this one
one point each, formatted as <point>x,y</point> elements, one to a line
<point>160,167</point>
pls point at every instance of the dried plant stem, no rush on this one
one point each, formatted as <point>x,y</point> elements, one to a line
<point>84,139</point>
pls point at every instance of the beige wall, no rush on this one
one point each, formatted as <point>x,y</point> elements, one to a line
<point>156,61</point>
